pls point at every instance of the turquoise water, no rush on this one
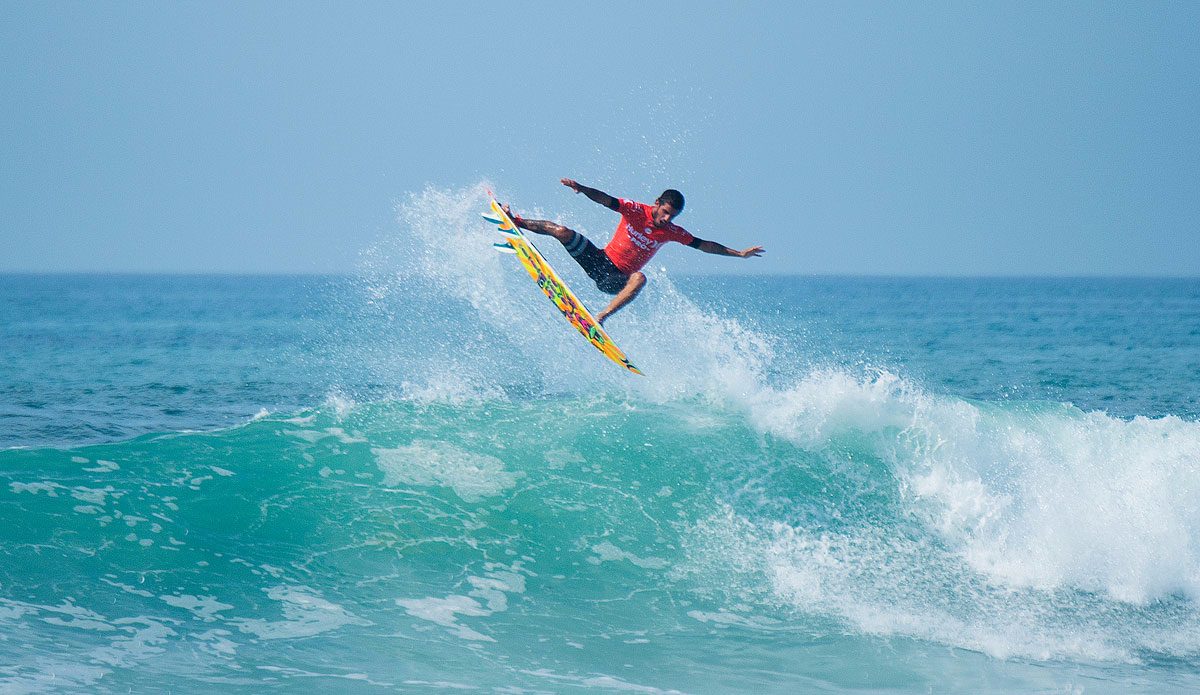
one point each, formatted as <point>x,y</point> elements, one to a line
<point>419,479</point>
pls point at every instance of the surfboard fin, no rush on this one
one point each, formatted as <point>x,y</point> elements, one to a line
<point>504,247</point>
<point>498,217</point>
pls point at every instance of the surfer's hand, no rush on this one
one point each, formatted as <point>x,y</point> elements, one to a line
<point>570,184</point>
<point>752,252</point>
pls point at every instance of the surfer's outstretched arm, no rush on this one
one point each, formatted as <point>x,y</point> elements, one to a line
<point>722,250</point>
<point>596,195</point>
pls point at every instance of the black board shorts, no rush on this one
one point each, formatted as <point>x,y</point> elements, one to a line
<point>599,267</point>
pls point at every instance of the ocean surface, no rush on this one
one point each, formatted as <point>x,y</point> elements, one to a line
<point>417,478</point>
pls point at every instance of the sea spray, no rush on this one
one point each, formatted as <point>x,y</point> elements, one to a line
<point>420,479</point>
<point>1015,530</point>
<point>941,510</point>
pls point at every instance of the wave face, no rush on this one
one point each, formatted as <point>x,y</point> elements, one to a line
<point>482,502</point>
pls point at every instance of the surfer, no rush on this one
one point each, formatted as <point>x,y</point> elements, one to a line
<point>616,269</point>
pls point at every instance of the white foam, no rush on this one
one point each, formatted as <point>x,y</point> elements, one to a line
<point>687,351</point>
<point>305,614</point>
<point>216,642</point>
<point>340,404</point>
<point>93,496</point>
<point>725,618</point>
<point>1026,516</point>
<point>601,682</point>
<point>448,381</point>
<point>472,476</point>
<point>1071,499</point>
<point>607,552</point>
<point>204,608</point>
<point>145,641</point>
<point>493,588</point>
<point>42,674</point>
<point>445,612</point>
<point>888,586</point>
<point>1033,496</point>
<point>444,249</point>
<point>51,489</point>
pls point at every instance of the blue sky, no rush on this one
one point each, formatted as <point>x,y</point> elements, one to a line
<point>854,138</point>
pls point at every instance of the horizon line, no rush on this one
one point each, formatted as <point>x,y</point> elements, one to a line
<point>351,274</point>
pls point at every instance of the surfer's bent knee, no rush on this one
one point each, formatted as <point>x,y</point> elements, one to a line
<point>574,242</point>
<point>637,280</point>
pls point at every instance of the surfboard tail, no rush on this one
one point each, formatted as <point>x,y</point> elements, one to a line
<point>498,217</point>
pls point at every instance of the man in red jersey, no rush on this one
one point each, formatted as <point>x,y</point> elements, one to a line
<point>616,269</point>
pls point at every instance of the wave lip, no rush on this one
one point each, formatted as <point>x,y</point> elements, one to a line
<point>1027,529</point>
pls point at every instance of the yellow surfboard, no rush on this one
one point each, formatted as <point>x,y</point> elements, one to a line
<point>517,243</point>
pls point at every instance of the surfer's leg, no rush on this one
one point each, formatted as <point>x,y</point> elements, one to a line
<point>635,284</point>
<point>563,234</point>
<point>608,278</point>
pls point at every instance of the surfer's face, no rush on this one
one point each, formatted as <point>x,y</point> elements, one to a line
<point>662,213</point>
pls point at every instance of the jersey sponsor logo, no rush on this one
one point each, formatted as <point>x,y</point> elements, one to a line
<point>641,238</point>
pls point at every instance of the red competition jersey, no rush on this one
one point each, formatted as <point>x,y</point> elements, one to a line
<point>637,239</point>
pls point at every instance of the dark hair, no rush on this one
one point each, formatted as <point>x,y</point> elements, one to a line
<point>673,198</point>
